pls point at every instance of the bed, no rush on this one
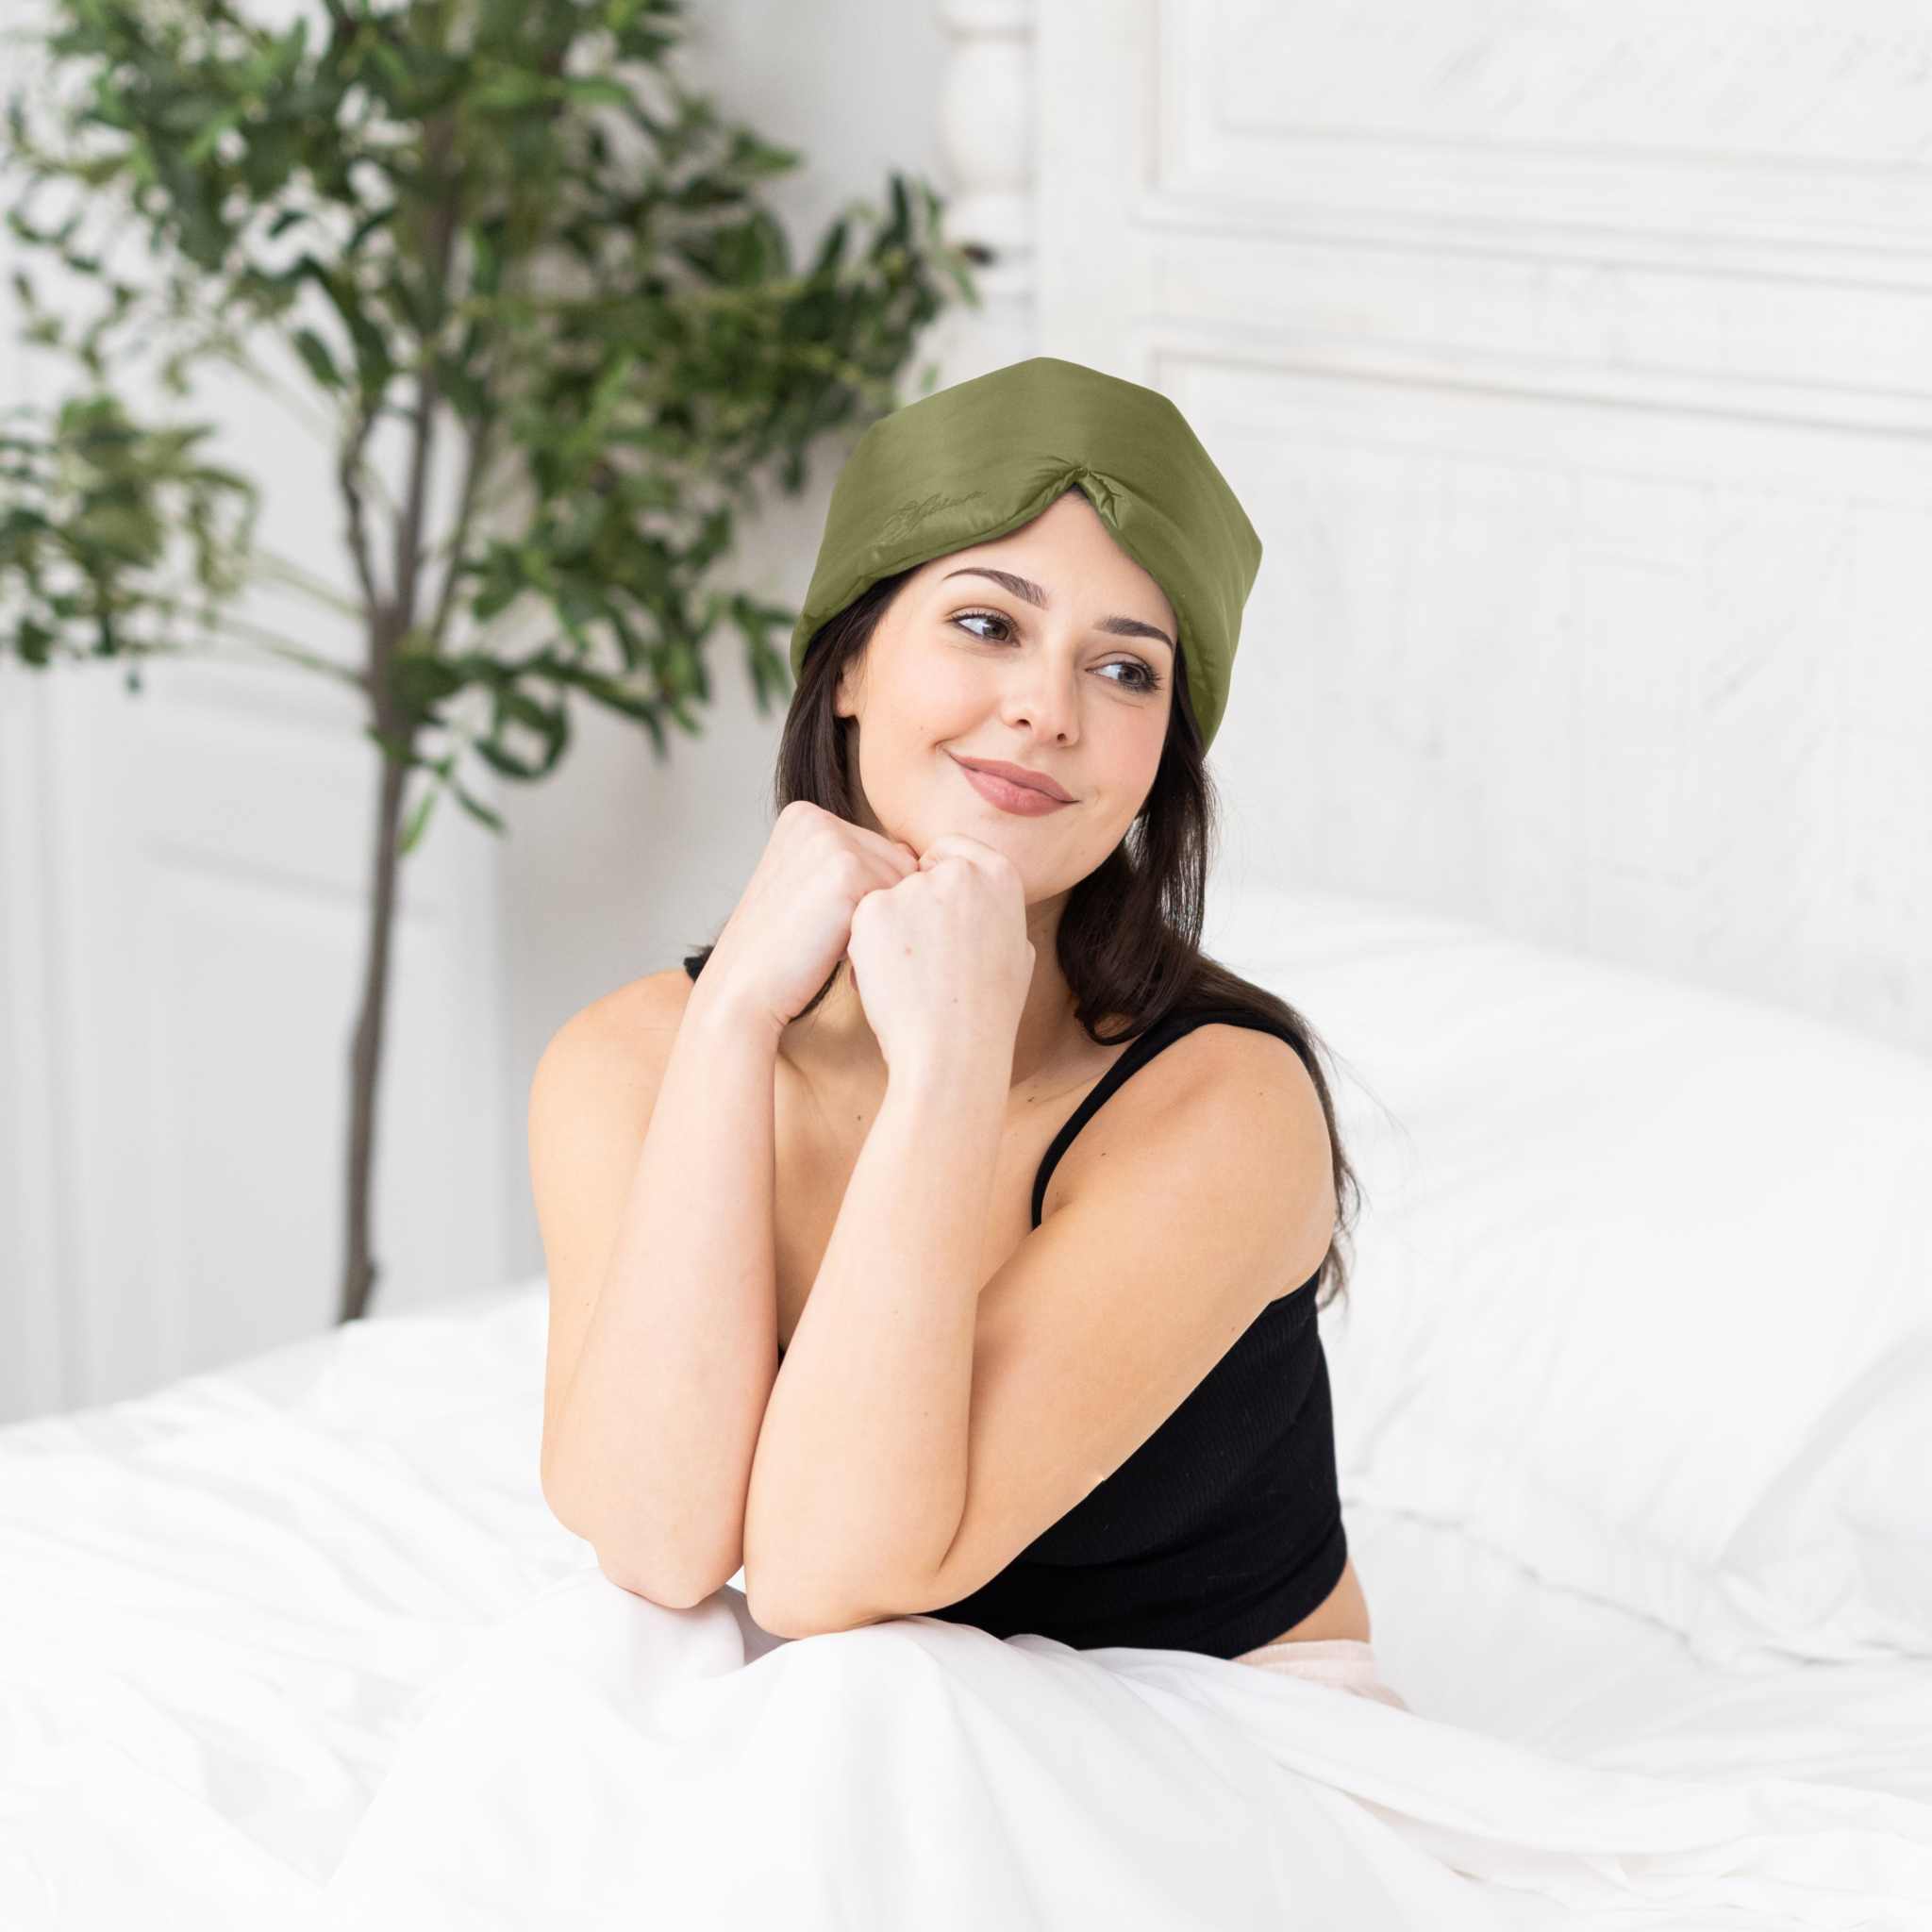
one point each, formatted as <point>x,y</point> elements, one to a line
<point>1632,1395</point>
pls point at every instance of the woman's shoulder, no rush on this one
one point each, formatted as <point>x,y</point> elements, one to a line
<point>636,1017</point>
<point>653,1003</point>
<point>1253,1078</point>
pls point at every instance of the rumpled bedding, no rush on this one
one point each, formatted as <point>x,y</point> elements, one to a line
<point>298,1643</point>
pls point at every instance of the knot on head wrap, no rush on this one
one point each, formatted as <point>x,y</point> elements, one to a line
<point>972,462</point>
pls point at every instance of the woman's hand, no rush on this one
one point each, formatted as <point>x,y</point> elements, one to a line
<point>791,925</point>
<point>940,959</point>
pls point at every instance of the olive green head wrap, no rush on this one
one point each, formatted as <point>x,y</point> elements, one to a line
<point>970,462</point>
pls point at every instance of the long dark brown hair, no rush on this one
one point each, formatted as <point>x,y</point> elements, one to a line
<point>1129,934</point>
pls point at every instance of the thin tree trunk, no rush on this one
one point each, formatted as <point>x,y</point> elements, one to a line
<point>390,623</point>
<point>360,1267</point>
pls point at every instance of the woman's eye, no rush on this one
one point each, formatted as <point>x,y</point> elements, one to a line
<point>1141,679</point>
<point>981,617</point>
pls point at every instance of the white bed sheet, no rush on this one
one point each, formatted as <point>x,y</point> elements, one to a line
<point>1471,1638</point>
<point>230,1607</point>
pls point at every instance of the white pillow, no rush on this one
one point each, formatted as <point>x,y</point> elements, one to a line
<point>1642,1290</point>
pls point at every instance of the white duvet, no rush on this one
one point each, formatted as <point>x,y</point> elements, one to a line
<point>298,1643</point>
<point>1634,1426</point>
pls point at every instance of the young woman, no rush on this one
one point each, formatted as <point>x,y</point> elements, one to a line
<point>940,1244</point>
<point>945,1239</point>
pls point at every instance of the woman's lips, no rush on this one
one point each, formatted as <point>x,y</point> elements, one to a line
<point>1022,800</point>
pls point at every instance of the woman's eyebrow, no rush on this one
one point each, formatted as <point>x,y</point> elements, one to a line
<point>1031,592</point>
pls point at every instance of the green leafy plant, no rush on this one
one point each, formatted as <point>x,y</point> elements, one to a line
<point>502,228</point>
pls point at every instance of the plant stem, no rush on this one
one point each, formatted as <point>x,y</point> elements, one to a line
<point>390,623</point>
<point>365,1059</point>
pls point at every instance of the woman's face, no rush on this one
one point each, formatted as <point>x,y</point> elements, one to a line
<point>964,665</point>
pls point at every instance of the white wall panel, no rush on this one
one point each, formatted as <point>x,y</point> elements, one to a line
<point>1575,365</point>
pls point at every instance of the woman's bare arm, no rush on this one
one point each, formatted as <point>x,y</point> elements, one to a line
<point>861,1467</point>
<point>657,1212</point>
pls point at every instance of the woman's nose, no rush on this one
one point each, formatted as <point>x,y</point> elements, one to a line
<point>1046,698</point>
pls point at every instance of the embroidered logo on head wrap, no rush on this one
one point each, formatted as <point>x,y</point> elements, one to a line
<point>917,510</point>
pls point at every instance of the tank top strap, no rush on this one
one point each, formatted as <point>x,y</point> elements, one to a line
<point>1161,1034</point>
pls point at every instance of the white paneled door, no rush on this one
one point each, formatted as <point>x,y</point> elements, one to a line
<point>184,906</point>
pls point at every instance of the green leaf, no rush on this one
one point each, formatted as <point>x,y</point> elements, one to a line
<point>476,809</point>
<point>418,819</point>
<point>597,91</point>
<point>314,352</point>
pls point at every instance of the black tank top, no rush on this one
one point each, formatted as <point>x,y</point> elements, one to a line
<point>1223,1528</point>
